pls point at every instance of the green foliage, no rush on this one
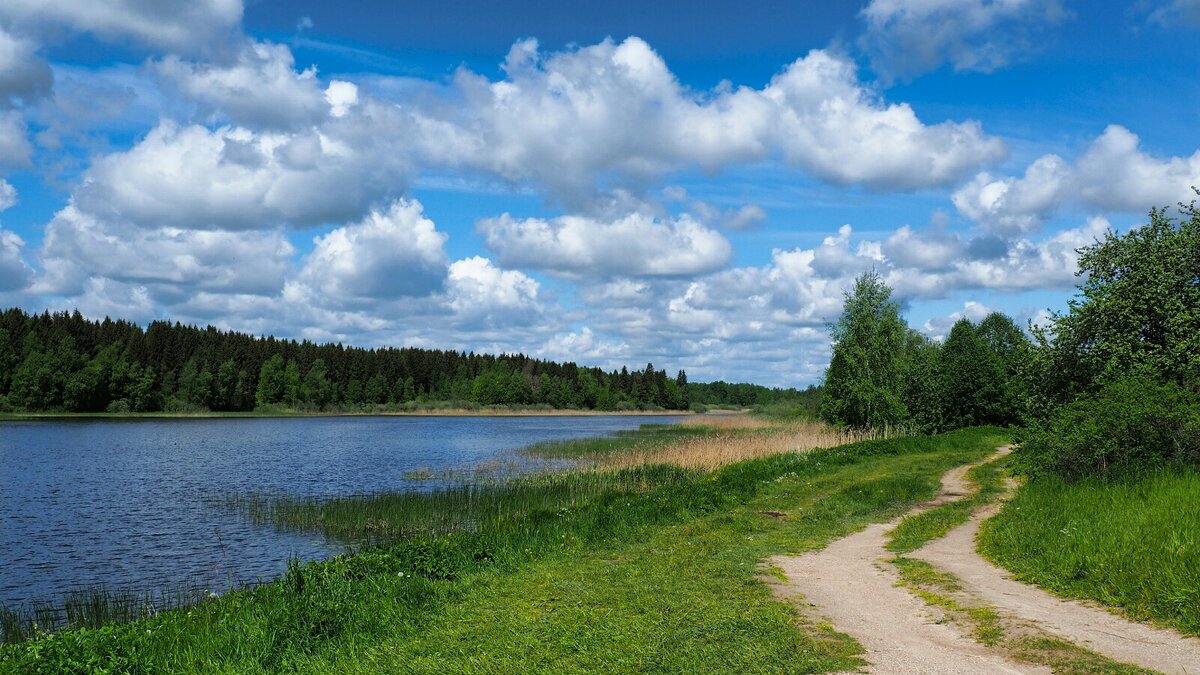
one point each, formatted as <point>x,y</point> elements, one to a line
<point>65,363</point>
<point>972,380</point>
<point>863,381</point>
<point>1131,425</point>
<point>1138,310</point>
<point>1132,542</point>
<point>883,373</point>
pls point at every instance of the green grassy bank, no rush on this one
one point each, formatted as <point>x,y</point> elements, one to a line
<point>656,570</point>
<point>1132,543</point>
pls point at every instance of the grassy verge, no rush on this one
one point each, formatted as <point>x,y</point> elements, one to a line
<point>916,530</point>
<point>658,573</point>
<point>1131,543</point>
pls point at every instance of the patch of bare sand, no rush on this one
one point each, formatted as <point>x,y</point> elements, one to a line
<point>850,585</point>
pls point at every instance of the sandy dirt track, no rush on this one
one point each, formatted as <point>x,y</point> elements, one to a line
<point>850,584</point>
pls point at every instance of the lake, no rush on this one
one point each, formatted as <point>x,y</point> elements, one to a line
<point>132,504</point>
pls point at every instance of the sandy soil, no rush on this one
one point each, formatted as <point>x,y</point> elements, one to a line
<point>849,584</point>
<point>1091,627</point>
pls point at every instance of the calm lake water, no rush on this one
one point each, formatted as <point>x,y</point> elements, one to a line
<point>129,504</point>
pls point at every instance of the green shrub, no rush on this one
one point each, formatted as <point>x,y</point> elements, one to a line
<point>1130,426</point>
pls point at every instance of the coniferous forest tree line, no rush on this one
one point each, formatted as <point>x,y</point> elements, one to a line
<point>1109,387</point>
<point>64,362</point>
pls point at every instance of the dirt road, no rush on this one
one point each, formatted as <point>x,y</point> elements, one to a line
<point>851,584</point>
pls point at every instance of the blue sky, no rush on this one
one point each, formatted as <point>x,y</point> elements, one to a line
<point>605,182</point>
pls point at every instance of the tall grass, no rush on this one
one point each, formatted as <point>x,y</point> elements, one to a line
<point>706,443</point>
<point>386,517</point>
<point>1132,543</point>
<point>94,607</point>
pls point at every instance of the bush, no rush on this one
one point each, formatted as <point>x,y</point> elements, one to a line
<point>1132,425</point>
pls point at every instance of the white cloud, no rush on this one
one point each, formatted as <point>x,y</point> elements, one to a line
<point>834,127</point>
<point>615,114</point>
<point>24,76</point>
<point>633,245</point>
<point>341,97</point>
<point>482,294</point>
<point>389,254</point>
<point>15,274</point>
<point>938,327</point>
<point>583,346</point>
<point>261,89</point>
<point>1112,174</point>
<point>232,178</point>
<point>8,195</point>
<point>905,38</point>
<point>1115,173</point>
<point>1016,205</point>
<point>15,149</point>
<point>746,217</point>
<point>190,26</point>
<point>933,250</point>
<point>175,262</point>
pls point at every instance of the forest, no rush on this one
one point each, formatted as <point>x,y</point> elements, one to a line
<point>64,362</point>
<point>1109,387</point>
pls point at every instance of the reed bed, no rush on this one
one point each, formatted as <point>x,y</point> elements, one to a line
<point>734,439</point>
<point>92,608</point>
<point>383,518</point>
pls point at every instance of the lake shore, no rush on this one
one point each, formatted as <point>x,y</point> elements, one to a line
<point>440,412</point>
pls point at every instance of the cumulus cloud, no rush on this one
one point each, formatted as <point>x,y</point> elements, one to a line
<point>392,253</point>
<point>939,327</point>
<point>905,38</point>
<point>24,76</point>
<point>633,245</point>
<point>15,274</point>
<point>260,89</point>
<point>583,346</point>
<point>174,262</point>
<point>1112,174</point>
<point>1015,205</point>
<point>1115,173</point>
<point>15,149</point>
<point>614,112</point>
<point>233,178</point>
<point>482,294</point>
<point>188,26</point>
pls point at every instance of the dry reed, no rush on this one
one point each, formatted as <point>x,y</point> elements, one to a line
<point>738,438</point>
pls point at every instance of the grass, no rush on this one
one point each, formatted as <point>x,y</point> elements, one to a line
<point>918,529</point>
<point>661,574</point>
<point>1131,543</point>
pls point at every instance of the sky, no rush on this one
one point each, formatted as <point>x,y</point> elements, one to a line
<point>610,183</point>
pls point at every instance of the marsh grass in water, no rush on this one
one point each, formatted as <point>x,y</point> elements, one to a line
<point>94,607</point>
<point>1132,543</point>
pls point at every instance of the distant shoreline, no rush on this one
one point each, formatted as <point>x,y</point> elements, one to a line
<point>449,412</point>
